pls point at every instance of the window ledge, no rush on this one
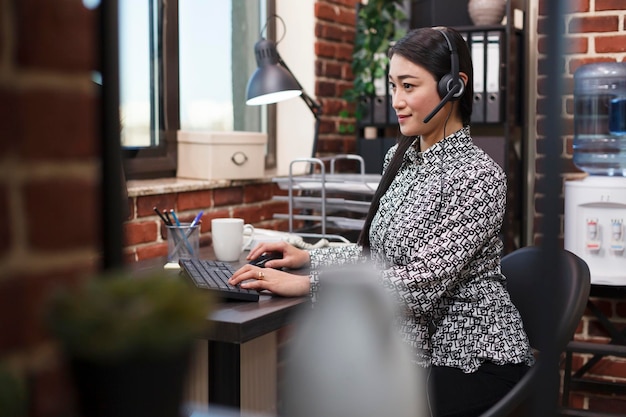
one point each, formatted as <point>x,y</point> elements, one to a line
<point>136,188</point>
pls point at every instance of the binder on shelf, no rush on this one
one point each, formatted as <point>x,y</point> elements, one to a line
<point>492,87</point>
<point>379,110</point>
<point>366,107</point>
<point>477,49</point>
<point>373,152</point>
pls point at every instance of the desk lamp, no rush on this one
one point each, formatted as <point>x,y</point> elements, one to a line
<point>273,81</point>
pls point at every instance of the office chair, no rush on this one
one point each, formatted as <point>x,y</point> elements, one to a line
<point>523,270</point>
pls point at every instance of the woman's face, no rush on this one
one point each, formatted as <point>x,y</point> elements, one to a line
<point>414,95</point>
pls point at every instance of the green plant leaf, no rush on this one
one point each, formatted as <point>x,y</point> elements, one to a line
<point>377,25</point>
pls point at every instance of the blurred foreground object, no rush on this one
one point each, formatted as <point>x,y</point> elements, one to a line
<point>127,340</point>
<point>13,398</point>
<point>347,359</point>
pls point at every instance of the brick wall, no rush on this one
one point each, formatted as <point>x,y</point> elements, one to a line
<point>334,31</point>
<point>49,180</point>
<point>596,31</point>
<point>145,234</point>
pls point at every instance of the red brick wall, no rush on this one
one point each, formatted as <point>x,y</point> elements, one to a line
<point>49,180</point>
<point>334,30</point>
<point>145,234</point>
<point>596,31</point>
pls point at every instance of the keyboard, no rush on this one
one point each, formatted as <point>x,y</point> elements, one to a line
<point>213,276</point>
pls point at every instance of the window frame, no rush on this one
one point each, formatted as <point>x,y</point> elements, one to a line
<point>161,161</point>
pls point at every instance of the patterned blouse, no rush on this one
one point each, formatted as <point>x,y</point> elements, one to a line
<point>435,239</point>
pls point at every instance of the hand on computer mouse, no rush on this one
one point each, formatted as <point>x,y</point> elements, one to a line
<point>292,257</point>
<point>265,257</point>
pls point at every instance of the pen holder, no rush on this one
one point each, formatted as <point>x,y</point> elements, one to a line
<point>183,242</point>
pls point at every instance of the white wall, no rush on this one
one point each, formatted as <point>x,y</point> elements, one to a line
<point>295,121</point>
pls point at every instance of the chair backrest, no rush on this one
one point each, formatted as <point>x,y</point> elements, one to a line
<point>524,271</point>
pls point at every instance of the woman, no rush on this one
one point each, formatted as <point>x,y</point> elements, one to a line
<point>433,229</point>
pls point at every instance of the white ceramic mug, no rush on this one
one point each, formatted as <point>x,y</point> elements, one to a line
<point>228,238</point>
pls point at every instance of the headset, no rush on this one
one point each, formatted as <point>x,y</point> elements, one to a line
<point>450,86</point>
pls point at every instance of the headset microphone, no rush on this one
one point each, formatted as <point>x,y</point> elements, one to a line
<point>451,86</point>
<point>448,97</point>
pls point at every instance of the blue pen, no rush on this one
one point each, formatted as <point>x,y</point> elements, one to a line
<point>193,223</point>
<point>175,217</point>
<point>196,220</point>
<point>173,213</point>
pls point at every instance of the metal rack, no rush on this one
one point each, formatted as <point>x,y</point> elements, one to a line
<point>323,196</point>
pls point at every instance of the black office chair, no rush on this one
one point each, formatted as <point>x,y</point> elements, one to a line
<point>523,269</point>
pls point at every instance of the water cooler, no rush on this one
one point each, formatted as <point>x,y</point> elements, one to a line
<point>595,207</point>
<point>595,212</point>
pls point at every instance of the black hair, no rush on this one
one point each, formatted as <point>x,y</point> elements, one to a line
<point>426,47</point>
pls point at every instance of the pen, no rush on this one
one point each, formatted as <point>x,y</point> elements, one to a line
<point>156,210</point>
<point>173,213</point>
<point>196,219</point>
<point>167,222</point>
<point>167,215</point>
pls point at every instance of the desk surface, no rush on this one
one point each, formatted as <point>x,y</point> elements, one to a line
<point>240,321</point>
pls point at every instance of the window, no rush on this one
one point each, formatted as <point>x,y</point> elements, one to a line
<point>178,70</point>
<point>139,104</point>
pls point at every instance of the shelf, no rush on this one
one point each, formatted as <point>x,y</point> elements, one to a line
<point>332,204</point>
<point>347,183</point>
<point>351,194</point>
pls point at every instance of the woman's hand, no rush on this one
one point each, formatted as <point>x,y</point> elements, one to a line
<point>293,257</point>
<point>278,282</point>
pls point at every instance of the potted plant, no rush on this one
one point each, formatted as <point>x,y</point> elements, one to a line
<point>378,23</point>
<point>128,340</point>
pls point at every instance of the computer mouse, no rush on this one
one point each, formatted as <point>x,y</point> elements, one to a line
<point>263,258</point>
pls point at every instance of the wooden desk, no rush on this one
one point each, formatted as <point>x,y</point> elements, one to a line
<point>242,352</point>
<point>236,366</point>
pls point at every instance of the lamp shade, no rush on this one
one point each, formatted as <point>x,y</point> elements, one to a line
<point>270,82</point>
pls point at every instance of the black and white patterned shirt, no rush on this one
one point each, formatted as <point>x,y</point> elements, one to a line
<point>435,239</point>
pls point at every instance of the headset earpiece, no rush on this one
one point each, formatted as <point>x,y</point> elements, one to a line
<point>446,84</point>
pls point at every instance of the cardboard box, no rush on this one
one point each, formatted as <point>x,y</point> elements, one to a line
<point>221,155</point>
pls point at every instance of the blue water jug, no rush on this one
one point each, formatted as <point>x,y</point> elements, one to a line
<point>600,118</point>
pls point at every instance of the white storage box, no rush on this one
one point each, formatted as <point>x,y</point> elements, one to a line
<point>221,155</point>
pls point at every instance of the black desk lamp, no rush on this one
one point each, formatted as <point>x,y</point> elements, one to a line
<point>273,81</point>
